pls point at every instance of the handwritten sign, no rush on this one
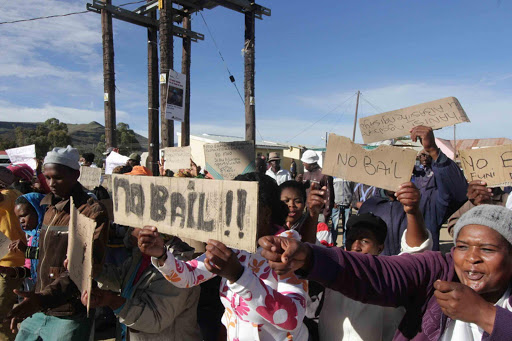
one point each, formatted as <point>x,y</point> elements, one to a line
<point>24,154</point>
<point>436,114</point>
<point>90,177</point>
<point>385,167</point>
<point>113,160</point>
<point>177,158</point>
<point>492,165</point>
<point>79,254</point>
<point>4,245</point>
<point>226,160</point>
<point>199,209</point>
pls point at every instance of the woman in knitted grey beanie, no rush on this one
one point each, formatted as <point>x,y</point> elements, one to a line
<point>461,295</point>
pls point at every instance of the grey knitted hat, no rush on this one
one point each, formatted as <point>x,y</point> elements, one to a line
<point>498,218</point>
<point>68,156</point>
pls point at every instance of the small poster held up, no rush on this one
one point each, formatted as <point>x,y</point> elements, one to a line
<point>114,160</point>
<point>79,253</point>
<point>225,160</point>
<point>392,124</point>
<point>24,154</point>
<point>176,93</point>
<point>177,158</point>
<point>492,165</point>
<point>198,209</point>
<point>90,177</point>
<point>385,167</point>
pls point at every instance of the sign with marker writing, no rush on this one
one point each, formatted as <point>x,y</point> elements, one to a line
<point>384,167</point>
<point>90,177</point>
<point>225,160</point>
<point>492,165</point>
<point>79,254</point>
<point>177,158</point>
<point>144,160</point>
<point>199,209</point>
<point>436,114</point>
<point>25,154</point>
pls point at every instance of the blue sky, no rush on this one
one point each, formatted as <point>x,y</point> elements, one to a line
<point>311,58</point>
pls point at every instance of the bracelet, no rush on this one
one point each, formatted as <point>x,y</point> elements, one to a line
<point>163,254</point>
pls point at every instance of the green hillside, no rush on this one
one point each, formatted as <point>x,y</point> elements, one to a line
<point>85,137</point>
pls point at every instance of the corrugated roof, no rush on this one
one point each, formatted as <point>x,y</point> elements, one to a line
<point>212,138</point>
<point>478,143</point>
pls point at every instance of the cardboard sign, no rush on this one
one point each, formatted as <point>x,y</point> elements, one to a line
<point>436,114</point>
<point>176,93</point>
<point>90,177</point>
<point>199,209</point>
<point>144,160</point>
<point>24,154</point>
<point>79,254</point>
<point>177,158</point>
<point>114,160</point>
<point>492,165</point>
<point>384,167</point>
<point>226,160</point>
<point>4,245</point>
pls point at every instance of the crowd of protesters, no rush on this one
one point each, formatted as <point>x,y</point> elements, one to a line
<point>337,260</point>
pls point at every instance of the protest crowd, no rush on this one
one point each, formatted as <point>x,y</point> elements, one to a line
<point>330,259</point>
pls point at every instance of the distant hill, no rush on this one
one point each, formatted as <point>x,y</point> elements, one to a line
<point>83,136</point>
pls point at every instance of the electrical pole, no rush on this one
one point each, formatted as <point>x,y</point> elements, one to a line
<point>166,64</point>
<point>185,69</point>
<point>153,98</point>
<point>355,117</point>
<point>109,83</point>
<point>250,104</point>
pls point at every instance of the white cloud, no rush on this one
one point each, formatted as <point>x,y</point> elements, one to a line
<point>10,112</point>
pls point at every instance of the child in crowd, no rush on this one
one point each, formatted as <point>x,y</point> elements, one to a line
<point>258,304</point>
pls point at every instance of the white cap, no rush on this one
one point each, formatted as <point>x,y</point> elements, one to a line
<point>309,156</point>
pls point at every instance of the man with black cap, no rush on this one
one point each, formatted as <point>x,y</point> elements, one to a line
<point>275,171</point>
<point>54,310</point>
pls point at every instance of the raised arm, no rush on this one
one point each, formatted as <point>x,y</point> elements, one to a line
<point>385,280</point>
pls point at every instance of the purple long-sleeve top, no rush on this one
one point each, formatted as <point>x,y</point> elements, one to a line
<point>444,193</point>
<point>393,281</point>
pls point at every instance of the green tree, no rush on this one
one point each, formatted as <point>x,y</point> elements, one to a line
<point>52,133</point>
<point>126,140</point>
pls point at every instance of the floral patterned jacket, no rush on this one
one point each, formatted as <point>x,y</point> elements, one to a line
<point>259,306</point>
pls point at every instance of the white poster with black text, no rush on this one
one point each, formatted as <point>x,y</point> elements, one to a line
<point>176,92</point>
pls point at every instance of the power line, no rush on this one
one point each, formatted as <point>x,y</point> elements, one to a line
<point>40,18</point>
<point>321,118</point>
<point>231,77</point>
<point>61,15</point>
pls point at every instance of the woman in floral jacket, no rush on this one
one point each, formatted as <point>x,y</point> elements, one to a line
<point>260,305</point>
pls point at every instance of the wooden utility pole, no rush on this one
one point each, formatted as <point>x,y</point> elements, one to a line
<point>153,98</point>
<point>355,117</point>
<point>166,64</point>
<point>250,102</point>
<point>185,69</point>
<point>109,83</point>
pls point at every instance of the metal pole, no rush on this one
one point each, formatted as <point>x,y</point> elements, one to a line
<point>355,117</point>
<point>185,69</point>
<point>109,83</point>
<point>249,63</point>
<point>153,99</point>
<point>454,143</point>
<point>166,64</point>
